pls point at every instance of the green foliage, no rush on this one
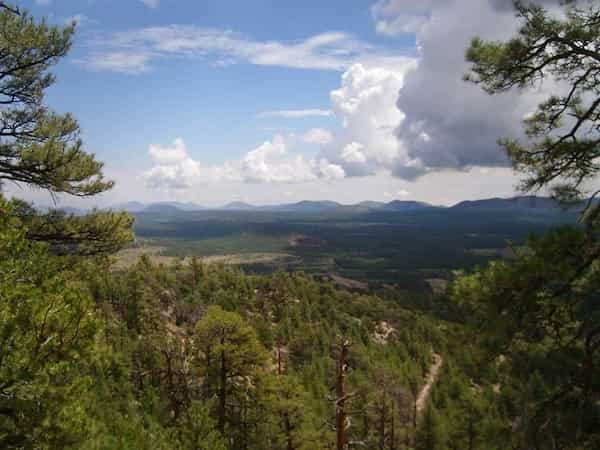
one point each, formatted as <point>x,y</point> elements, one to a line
<point>40,339</point>
<point>378,248</point>
<point>41,148</point>
<point>205,357</point>
<point>37,146</point>
<point>431,433</point>
<point>197,431</point>
<point>54,370</point>
<point>540,316</point>
<point>97,233</point>
<point>231,357</point>
<point>277,337</point>
<point>563,145</point>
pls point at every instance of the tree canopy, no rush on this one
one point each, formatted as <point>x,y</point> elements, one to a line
<point>38,146</point>
<point>563,136</point>
<point>538,315</point>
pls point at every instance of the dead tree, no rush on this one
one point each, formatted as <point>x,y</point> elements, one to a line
<point>16,11</point>
<point>341,418</point>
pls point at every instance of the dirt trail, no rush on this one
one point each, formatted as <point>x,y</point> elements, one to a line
<point>432,377</point>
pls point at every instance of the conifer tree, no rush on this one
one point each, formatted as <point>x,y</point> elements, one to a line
<point>231,357</point>
<point>38,146</point>
<point>42,149</point>
<point>563,143</point>
<point>539,314</point>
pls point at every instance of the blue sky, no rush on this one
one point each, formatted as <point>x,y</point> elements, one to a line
<point>269,101</point>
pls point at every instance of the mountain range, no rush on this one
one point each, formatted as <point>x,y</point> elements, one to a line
<point>307,206</point>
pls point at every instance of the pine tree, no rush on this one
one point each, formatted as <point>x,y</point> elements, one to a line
<point>563,144</point>
<point>232,358</point>
<point>53,370</point>
<point>37,146</point>
<point>41,148</point>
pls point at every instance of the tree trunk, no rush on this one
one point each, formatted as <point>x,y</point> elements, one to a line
<point>288,431</point>
<point>393,431</point>
<point>382,419</point>
<point>222,393</point>
<point>340,403</point>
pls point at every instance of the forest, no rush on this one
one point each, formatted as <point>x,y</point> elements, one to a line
<point>402,248</point>
<point>206,356</point>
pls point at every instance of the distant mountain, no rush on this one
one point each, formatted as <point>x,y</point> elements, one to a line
<point>162,208</point>
<point>187,206</point>
<point>137,207</point>
<point>371,205</point>
<point>521,203</point>
<point>524,202</point>
<point>305,206</point>
<point>239,206</point>
<point>405,205</point>
<point>131,207</point>
<point>308,206</point>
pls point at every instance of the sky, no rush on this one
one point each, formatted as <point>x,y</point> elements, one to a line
<point>276,101</point>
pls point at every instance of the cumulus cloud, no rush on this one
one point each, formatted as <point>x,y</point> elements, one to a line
<point>173,168</point>
<point>365,106</point>
<point>318,136</point>
<point>169,155</point>
<point>420,116</point>
<point>394,17</point>
<point>406,116</point>
<point>448,123</point>
<point>352,153</point>
<point>270,162</point>
<point>401,116</point>
<point>325,51</point>
<point>402,193</point>
<point>296,113</point>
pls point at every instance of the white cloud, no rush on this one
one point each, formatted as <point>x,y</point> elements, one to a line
<point>394,17</point>
<point>127,62</point>
<point>296,113</point>
<point>151,3</point>
<point>365,105</point>
<point>428,130</point>
<point>173,168</point>
<point>402,193</point>
<point>329,171</point>
<point>169,155</point>
<point>43,2</point>
<point>352,153</point>
<point>318,136</point>
<point>270,162</point>
<point>445,187</point>
<point>449,123</point>
<point>325,51</point>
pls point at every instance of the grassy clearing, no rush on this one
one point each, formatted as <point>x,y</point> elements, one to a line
<point>130,256</point>
<point>243,243</point>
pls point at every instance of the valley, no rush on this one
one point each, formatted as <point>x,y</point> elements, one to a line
<point>405,244</point>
